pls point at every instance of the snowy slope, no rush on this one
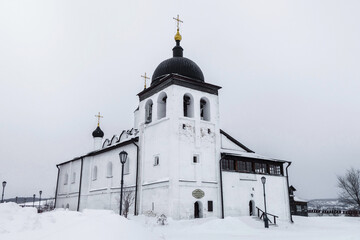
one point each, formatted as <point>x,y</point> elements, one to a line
<point>24,223</point>
<point>328,204</point>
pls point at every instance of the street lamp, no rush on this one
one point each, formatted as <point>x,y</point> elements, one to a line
<point>123,156</point>
<point>33,200</point>
<point>40,192</point>
<point>266,221</point>
<point>2,196</point>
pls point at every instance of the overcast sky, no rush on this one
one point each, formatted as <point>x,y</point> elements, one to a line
<point>289,72</point>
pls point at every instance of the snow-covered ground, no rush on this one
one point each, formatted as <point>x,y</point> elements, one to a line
<point>18,223</point>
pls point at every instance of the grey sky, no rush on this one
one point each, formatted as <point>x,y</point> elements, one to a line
<point>289,72</point>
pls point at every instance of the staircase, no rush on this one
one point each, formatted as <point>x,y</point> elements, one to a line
<point>261,215</point>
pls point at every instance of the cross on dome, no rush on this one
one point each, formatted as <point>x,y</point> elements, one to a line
<point>178,21</point>
<point>98,117</point>
<point>178,36</point>
<point>145,77</point>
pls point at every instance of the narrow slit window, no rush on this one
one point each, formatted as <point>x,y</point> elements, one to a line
<point>156,160</point>
<point>196,159</point>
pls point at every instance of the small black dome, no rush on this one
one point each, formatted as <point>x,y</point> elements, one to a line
<point>98,132</point>
<point>179,65</point>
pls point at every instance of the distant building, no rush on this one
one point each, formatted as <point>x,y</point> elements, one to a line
<point>298,206</point>
<point>180,163</point>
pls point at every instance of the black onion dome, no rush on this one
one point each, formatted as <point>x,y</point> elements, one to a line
<point>179,65</point>
<point>98,132</point>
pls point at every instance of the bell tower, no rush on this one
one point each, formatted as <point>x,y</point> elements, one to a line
<point>179,138</point>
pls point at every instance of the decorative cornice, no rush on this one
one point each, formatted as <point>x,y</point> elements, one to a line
<point>175,79</point>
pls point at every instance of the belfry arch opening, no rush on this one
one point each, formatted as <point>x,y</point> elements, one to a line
<point>204,109</point>
<point>188,105</point>
<point>148,111</point>
<point>161,107</point>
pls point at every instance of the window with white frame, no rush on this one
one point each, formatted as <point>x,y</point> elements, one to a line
<point>66,179</point>
<point>156,160</point>
<point>94,173</point>
<point>127,166</point>
<point>109,170</point>
<point>73,177</point>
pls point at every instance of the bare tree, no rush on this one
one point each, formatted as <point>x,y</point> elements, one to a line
<point>127,202</point>
<point>350,187</point>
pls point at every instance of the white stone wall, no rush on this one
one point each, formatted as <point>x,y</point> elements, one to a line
<point>240,188</point>
<point>68,193</point>
<point>102,193</point>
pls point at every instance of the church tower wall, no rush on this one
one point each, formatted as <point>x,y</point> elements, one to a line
<point>180,152</point>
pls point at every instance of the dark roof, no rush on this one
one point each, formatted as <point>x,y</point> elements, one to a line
<point>98,132</point>
<point>178,65</point>
<point>175,79</point>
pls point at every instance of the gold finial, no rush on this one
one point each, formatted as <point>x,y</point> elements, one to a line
<point>145,77</point>
<point>98,117</point>
<point>178,36</point>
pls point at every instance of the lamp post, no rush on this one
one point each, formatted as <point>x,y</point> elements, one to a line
<point>266,221</point>
<point>40,192</point>
<point>2,196</point>
<point>34,200</point>
<point>123,156</point>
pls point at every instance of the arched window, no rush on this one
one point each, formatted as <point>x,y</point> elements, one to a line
<point>73,177</point>
<point>66,179</point>
<point>67,206</point>
<point>188,104</point>
<point>204,109</point>
<point>148,111</point>
<point>161,107</point>
<point>109,170</point>
<point>127,166</point>
<point>94,173</point>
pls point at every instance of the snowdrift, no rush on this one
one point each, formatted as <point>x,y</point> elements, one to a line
<point>18,223</point>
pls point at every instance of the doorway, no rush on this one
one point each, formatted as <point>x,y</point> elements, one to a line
<point>251,208</point>
<point>198,210</point>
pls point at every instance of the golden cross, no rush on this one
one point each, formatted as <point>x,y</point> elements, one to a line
<point>98,117</point>
<point>178,21</point>
<point>145,77</point>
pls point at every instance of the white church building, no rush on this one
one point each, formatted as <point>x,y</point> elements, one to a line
<point>180,163</point>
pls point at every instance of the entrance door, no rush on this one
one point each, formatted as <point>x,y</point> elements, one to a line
<point>251,208</point>
<point>196,210</point>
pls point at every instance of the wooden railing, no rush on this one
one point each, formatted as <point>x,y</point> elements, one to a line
<point>261,215</point>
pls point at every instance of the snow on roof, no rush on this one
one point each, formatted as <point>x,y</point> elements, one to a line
<point>249,155</point>
<point>297,199</point>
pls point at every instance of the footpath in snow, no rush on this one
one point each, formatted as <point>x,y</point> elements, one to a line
<point>18,223</point>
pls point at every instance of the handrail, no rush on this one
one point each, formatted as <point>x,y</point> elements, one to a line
<point>267,214</point>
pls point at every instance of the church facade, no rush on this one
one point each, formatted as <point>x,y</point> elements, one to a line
<point>179,163</point>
